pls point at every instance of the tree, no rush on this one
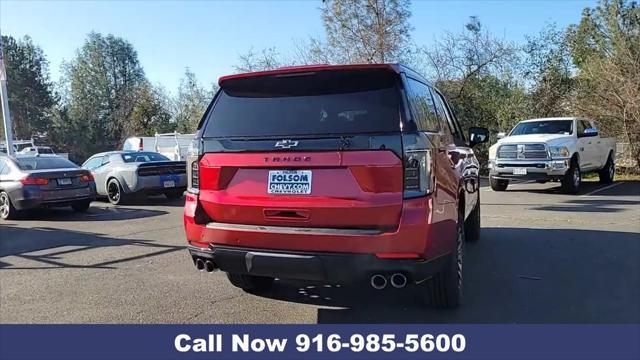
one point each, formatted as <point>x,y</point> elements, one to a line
<point>191,103</point>
<point>548,67</point>
<point>30,90</point>
<point>606,50</point>
<point>151,113</point>
<point>102,81</point>
<point>267,59</point>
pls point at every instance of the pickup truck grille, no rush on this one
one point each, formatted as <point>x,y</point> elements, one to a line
<point>523,151</point>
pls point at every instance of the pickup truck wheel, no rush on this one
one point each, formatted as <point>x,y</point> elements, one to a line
<point>472,224</point>
<point>7,211</point>
<point>444,290</point>
<point>608,172</point>
<point>250,283</point>
<point>571,181</point>
<point>115,194</point>
<point>498,185</point>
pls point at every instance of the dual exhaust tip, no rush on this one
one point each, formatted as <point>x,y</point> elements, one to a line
<point>396,280</point>
<point>205,265</point>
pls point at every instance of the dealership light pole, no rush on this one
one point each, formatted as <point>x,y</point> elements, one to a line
<point>4,95</point>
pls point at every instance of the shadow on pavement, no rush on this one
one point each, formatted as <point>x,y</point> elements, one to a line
<point>97,212</point>
<point>512,275</point>
<point>46,245</point>
<point>621,188</point>
<point>588,205</point>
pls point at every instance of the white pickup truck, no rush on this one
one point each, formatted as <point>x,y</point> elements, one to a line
<point>551,149</point>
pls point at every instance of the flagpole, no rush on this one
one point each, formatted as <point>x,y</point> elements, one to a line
<point>4,95</point>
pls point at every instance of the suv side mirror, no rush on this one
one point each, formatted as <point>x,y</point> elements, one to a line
<point>590,132</point>
<point>501,135</point>
<point>478,135</point>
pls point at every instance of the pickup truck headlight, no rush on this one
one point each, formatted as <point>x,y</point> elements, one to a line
<point>559,151</point>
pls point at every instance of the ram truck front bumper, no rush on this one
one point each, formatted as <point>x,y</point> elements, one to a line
<point>525,170</point>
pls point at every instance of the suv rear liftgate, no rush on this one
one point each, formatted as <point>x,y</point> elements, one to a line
<point>314,175</point>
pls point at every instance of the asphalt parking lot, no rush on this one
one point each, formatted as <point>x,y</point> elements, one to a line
<point>544,257</point>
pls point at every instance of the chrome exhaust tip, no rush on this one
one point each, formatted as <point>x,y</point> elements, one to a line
<point>398,280</point>
<point>200,264</point>
<point>378,282</point>
<point>209,266</point>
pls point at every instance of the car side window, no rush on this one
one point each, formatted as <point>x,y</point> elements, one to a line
<point>442,114</point>
<point>105,160</point>
<point>581,128</point>
<point>4,169</point>
<point>94,163</point>
<point>423,106</point>
<point>459,135</point>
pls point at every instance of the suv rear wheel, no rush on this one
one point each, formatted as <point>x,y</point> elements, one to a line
<point>444,290</point>
<point>498,185</point>
<point>250,283</point>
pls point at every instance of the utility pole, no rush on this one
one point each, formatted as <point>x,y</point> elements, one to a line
<point>4,95</point>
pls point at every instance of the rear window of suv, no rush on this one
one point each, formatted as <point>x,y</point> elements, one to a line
<point>322,103</point>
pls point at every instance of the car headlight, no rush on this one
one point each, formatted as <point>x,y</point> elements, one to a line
<point>559,151</point>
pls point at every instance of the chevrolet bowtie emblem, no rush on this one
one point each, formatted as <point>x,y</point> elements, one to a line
<point>285,144</point>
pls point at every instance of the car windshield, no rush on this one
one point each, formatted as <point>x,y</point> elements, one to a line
<point>44,163</point>
<point>543,127</point>
<point>44,150</point>
<point>143,157</point>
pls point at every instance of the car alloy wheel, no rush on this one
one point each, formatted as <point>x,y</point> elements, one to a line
<point>113,192</point>
<point>5,205</point>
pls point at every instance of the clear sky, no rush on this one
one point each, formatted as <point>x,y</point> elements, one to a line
<point>208,36</point>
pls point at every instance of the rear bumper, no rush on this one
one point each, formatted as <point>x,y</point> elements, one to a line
<point>315,266</point>
<point>421,233</point>
<point>34,198</point>
<point>154,184</point>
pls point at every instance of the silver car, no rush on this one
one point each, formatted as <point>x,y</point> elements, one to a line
<point>28,182</point>
<point>124,175</point>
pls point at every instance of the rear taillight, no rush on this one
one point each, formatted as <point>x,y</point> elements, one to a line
<point>195,175</point>
<point>193,166</point>
<point>86,178</point>
<point>141,145</point>
<point>34,181</point>
<point>418,173</point>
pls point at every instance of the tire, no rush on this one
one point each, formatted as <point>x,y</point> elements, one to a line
<point>572,179</point>
<point>81,206</point>
<point>115,194</point>
<point>7,211</point>
<point>498,185</point>
<point>472,224</point>
<point>444,290</point>
<point>250,283</point>
<point>608,172</point>
<point>176,194</point>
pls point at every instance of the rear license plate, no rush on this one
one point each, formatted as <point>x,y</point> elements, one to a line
<point>65,181</point>
<point>519,171</point>
<point>296,182</point>
<point>169,183</point>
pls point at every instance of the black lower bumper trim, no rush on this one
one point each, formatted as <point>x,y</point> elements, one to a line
<point>315,266</point>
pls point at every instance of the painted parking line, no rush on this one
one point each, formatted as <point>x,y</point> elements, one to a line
<point>602,189</point>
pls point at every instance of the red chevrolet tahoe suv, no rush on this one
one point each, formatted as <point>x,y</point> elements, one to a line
<point>340,174</point>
